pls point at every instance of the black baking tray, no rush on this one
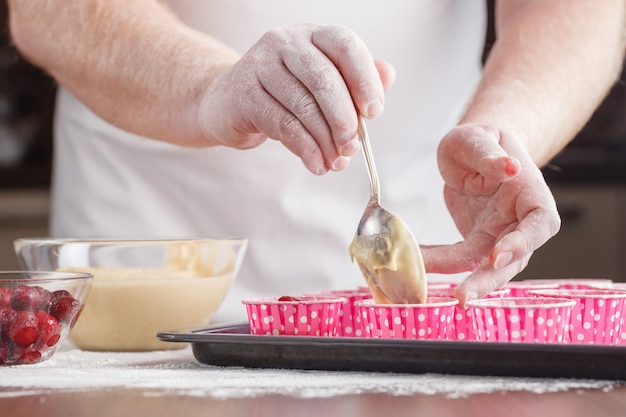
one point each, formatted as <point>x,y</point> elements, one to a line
<point>233,345</point>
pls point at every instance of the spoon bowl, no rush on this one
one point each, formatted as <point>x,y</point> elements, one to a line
<point>384,247</point>
<point>374,220</point>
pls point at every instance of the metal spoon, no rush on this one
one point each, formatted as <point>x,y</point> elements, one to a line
<point>384,247</point>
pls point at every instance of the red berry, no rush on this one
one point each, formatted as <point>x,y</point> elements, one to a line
<point>25,298</point>
<point>289,298</point>
<point>48,327</point>
<point>45,298</point>
<point>30,357</point>
<point>7,315</point>
<point>23,329</point>
<point>4,350</point>
<point>64,308</point>
<point>5,296</point>
<point>31,298</point>
<point>60,293</point>
<point>53,340</point>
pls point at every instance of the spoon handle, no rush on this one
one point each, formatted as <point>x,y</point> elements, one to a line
<point>369,161</point>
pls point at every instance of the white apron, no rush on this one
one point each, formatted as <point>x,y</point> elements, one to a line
<point>110,183</point>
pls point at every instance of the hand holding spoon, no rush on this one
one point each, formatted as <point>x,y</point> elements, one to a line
<point>384,247</point>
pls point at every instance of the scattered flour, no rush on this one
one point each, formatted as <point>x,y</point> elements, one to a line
<point>178,372</point>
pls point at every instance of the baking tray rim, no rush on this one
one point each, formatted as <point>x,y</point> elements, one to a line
<point>236,333</point>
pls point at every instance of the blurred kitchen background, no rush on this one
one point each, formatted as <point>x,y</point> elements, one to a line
<point>26,104</point>
<point>588,178</point>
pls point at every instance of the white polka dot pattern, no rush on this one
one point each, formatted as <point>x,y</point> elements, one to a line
<point>523,288</point>
<point>570,283</point>
<point>431,321</point>
<point>521,320</point>
<point>349,324</point>
<point>463,320</point>
<point>597,321</point>
<point>597,317</point>
<point>313,316</point>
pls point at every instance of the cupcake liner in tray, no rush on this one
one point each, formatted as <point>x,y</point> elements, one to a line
<point>233,345</point>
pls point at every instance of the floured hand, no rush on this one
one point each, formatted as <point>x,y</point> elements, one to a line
<point>299,85</point>
<point>500,203</point>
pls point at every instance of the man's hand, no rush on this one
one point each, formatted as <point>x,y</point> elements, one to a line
<point>500,204</point>
<point>299,85</point>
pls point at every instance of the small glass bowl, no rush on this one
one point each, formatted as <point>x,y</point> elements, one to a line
<point>37,311</point>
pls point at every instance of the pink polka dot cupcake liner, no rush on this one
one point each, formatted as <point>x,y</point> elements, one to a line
<point>449,292</point>
<point>572,283</point>
<point>597,317</point>
<point>349,324</point>
<point>621,286</point>
<point>522,319</point>
<point>304,316</point>
<point>463,320</point>
<point>523,288</point>
<point>430,321</point>
<point>462,325</point>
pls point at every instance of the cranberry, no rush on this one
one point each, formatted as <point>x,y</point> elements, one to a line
<point>25,298</point>
<point>31,298</point>
<point>60,293</point>
<point>45,298</point>
<point>31,321</point>
<point>23,330</point>
<point>53,340</point>
<point>4,350</point>
<point>48,327</point>
<point>289,298</point>
<point>5,296</point>
<point>30,357</point>
<point>64,308</point>
<point>7,315</point>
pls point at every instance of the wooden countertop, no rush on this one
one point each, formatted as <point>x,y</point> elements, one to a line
<point>155,403</point>
<point>173,383</point>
